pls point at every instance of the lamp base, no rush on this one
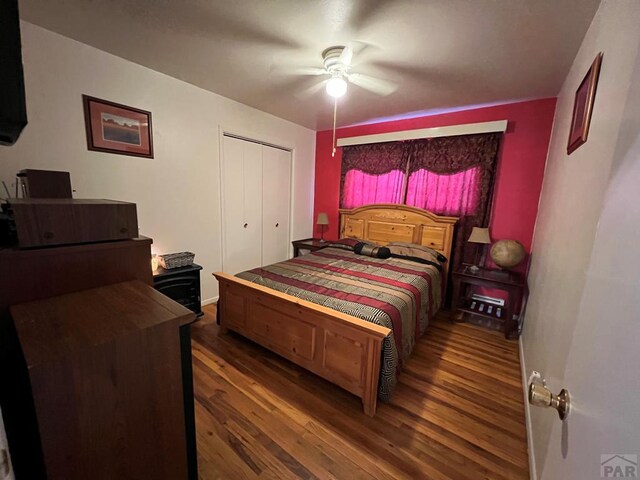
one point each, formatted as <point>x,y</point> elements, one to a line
<point>322,240</point>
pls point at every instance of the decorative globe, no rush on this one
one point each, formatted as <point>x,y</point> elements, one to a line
<point>507,253</point>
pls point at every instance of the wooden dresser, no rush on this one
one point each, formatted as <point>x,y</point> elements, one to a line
<point>105,374</point>
<point>36,274</point>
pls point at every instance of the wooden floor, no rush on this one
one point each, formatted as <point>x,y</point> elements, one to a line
<point>457,412</point>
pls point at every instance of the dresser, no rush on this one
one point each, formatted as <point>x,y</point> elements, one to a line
<point>30,275</point>
<point>104,367</point>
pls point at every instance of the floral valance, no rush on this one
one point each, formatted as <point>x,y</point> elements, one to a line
<point>375,158</point>
<point>455,154</point>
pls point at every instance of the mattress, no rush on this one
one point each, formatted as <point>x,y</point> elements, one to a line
<point>400,294</point>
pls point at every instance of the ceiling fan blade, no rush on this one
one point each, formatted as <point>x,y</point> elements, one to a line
<point>373,84</point>
<point>346,56</point>
<point>312,90</point>
<point>280,70</point>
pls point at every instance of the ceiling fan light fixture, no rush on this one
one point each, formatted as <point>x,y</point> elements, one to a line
<point>336,87</point>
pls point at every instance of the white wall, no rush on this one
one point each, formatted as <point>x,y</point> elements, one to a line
<point>177,192</point>
<point>573,195</point>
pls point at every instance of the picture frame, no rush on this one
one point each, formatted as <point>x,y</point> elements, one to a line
<point>583,106</point>
<point>115,128</point>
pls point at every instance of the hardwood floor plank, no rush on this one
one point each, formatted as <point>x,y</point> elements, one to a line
<point>457,413</point>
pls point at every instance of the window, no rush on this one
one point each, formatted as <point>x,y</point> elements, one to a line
<point>453,194</point>
<point>364,189</point>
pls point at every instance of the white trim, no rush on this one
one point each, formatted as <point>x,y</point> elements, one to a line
<point>209,301</point>
<point>533,474</point>
<point>449,131</point>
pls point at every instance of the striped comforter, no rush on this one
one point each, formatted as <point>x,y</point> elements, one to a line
<point>398,294</point>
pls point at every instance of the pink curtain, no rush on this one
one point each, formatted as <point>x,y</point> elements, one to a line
<point>360,188</point>
<point>454,194</point>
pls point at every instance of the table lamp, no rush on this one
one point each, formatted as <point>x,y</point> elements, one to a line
<point>481,236</point>
<point>323,220</point>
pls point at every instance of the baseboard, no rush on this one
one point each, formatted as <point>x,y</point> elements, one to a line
<point>533,475</point>
<point>209,301</point>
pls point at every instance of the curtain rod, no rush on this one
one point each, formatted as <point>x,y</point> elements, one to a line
<point>449,131</point>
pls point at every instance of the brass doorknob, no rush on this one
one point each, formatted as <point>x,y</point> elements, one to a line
<point>541,396</point>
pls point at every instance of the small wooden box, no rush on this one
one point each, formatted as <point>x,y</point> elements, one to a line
<point>61,221</point>
<point>46,183</point>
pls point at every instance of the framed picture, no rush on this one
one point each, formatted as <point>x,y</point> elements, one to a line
<point>583,106</point>
<point>116,128</point>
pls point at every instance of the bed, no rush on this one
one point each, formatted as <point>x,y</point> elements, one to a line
<point>349,318</point>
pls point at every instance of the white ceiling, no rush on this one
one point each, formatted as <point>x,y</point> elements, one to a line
<point>442,53</point>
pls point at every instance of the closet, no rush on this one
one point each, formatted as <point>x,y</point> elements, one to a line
<point>256,204</point>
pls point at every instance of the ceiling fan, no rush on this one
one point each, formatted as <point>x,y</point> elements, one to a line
<point>337,65</point>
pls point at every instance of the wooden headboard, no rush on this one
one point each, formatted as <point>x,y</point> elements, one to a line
<point>385,223</point>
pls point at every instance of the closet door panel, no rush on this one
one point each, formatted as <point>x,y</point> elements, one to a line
<point>276,201</point>
<point>241,205</point>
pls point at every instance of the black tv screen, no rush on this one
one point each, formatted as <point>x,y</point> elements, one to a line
<point>13,109</point>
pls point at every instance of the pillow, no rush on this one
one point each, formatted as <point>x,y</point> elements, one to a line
<point>345,243</point>
<point>370,250</point>
<point>415,251</point>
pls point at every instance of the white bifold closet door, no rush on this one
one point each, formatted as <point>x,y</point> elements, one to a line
<point>256,185</point>
<point>242,205</point>
<point>276,187</point>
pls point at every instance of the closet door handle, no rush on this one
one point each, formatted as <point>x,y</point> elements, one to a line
<point>246,225</point>
<point>277,224</point>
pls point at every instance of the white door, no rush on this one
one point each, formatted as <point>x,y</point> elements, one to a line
<point>241,205</point>
<point>276,193</point>
<point>601,437</point>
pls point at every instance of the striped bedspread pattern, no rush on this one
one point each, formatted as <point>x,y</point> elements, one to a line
<point>399,294</point>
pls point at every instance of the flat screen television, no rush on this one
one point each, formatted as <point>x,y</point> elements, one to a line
<point>13,109</point>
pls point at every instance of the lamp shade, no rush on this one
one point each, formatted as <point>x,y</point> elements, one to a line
<point>479,235</point>
<point>322,219</point>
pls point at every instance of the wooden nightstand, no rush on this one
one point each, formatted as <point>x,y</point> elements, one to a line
<point>311,244</point>
<point>513,283</point>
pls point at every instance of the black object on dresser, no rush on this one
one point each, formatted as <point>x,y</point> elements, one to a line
<point>13,109</point>
<point>180,284</point>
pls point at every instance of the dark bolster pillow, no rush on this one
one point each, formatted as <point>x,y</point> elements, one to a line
<point>417,251</point>
<point>345,243</point>
<point>369,250</point>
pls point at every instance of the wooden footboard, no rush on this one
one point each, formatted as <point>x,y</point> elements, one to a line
<point>342,349</point>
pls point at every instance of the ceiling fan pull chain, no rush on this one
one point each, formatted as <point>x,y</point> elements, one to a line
<point>335,112</point>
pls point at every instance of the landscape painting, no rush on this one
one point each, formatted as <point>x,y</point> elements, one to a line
<point>116,128</point>
<point>120,129</point>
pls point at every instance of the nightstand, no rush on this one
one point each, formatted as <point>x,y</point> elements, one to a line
<point>488,314</point>
<point>180,284</point>
<point>311,244</point>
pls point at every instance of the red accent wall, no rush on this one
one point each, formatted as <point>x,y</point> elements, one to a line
<point>521,163</point>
